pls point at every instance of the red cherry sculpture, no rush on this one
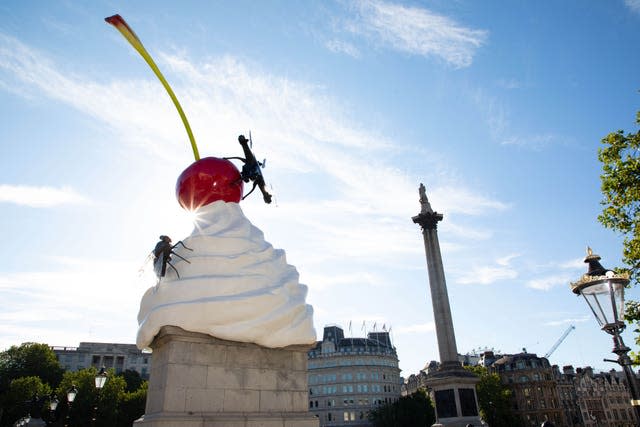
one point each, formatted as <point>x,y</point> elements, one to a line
<point>208,180</point>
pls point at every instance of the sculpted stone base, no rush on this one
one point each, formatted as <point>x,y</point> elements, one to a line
<point>453,389</point>
<point>200,381</point>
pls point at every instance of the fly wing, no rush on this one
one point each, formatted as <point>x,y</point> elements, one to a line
<point>146,273</point>
<point>146,264</point>
<point>158,264</point>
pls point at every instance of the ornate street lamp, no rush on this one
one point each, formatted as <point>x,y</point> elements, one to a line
<point>603,290</point>
<point>100,380</point>
<point>71,396</point>
<point>53,405</point>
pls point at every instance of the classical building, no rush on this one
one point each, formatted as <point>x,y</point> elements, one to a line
<point>110,355</point>
<point>603,398</point>
<point>348,377</point>
<point>534,388</point>
<point>566,381</point>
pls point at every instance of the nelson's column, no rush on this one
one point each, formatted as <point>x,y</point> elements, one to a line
<point>451,387</point>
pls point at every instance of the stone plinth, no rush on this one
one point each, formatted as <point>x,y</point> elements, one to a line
<point>200,381</point>
<point>453,389</point>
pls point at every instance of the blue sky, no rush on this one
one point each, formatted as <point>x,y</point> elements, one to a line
<point>497,107</point>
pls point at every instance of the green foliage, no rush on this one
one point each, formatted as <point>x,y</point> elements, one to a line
<point>415,410</point>
<point>112,406</point>
<point>29,359</point>
<point>133,379</point>
<point>494,398</point>
<point>24,370</point>
<point>621,190</point>
<point>22,398</point>
<point>32,370</point>
<point>89,401</point>
<point>132,405</point>
<point>620,185</point>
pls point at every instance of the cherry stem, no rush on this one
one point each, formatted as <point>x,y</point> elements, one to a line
<point>121,25</point>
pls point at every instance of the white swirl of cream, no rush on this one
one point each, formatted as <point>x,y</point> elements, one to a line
<point>237,287</point>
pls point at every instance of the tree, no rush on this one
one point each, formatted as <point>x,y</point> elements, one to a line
<point>494,398</point>
<point>132,405</point>
<point>415,410</point>
<point>89,401</point>
<point>620,157</point>
<point>22,398</point>
<point>29,359</point>
<point>133,379</point>
<point>113,406</point>
<point>620,185</point>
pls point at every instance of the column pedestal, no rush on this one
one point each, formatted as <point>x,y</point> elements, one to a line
<point>200,381</point>
<point>453,390</point>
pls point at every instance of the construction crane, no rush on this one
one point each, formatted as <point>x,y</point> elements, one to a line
<point>564,335</point>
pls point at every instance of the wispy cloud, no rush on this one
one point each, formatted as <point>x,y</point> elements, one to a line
<point>417,31</point>
<point>461,200</point>
<point>322,282</point>
<point>568,321</point>
<point>419,328</point>
<point>495,271</point>
<point>497,117</point>
<point>39,197</point>
<point>326,162</point>
<point>509,84</point>
<point>565,272</point>
<point>339,46</point>
<point>634,5</point>
<point>486,275</point>
<point>54,299</point>
<point>551,281</point>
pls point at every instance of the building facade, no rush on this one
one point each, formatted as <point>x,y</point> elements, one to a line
<point>120,357</point>
<point>534,387</point>
<point>603,399</point>
<point>348,377</point>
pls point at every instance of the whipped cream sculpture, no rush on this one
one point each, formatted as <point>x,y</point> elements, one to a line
<point>232,284</point>
<point>237,286</point>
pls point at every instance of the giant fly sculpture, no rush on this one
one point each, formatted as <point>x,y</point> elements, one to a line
<point>162,256</point>
<point>252,168</point>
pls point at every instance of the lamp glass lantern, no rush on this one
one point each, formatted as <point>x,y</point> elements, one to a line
<point>605,297</point>
<point>53,403</point>
<point>603,290</point>
<point>72,393</point>
<point>101,378</point>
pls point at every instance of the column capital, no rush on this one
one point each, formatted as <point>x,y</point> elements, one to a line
<point>428,220</point>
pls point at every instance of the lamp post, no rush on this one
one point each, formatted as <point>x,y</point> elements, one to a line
<point>53,405</point>
<point>100,380</point>
<point>603,290</point>
<point>71,396</point>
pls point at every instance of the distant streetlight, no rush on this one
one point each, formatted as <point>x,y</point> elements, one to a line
<point>603,290</point>
<point>100,380</point>
<point>53,405</point>
<point>71,396</point>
